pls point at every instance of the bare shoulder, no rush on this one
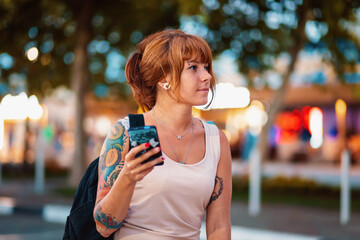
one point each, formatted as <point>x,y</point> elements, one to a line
<point>223,138</point>
<point>224,147</point>
<point>116,138</point>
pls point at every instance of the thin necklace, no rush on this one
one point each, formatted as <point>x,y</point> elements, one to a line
<point>179,137</point>
<point>167,140</point>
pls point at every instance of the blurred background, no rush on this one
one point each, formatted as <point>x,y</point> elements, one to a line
<point>287,98</point>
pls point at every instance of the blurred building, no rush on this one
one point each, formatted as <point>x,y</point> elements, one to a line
<point>307,111</point>
<point>53,133</point>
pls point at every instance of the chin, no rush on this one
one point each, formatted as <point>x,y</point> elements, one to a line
<point>200,103</point>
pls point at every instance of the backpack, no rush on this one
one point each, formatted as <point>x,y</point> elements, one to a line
<point>80,224</point>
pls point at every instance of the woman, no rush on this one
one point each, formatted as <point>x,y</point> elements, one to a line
<point>169,73</point>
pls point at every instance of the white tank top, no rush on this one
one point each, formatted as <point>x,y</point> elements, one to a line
<point>170,202</point>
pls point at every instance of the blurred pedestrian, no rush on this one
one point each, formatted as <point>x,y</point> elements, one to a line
<point>169,73</point>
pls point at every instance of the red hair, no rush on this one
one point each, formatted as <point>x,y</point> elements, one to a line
<point>161,54</point>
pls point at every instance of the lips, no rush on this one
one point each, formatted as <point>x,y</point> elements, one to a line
<point>204,90</point>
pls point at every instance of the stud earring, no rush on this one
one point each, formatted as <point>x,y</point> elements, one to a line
<point>167,86</point>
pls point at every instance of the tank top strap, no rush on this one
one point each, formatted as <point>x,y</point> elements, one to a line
<point>213,139</point>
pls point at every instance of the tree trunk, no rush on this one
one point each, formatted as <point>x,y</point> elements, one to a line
<point>80,79</point>
<point>278,99</point>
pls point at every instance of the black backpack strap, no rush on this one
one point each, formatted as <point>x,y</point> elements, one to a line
<point>136,120</point>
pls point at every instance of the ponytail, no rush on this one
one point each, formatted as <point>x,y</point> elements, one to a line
<point>144,95</point>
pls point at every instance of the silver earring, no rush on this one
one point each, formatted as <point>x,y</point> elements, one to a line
<point>167,86</point>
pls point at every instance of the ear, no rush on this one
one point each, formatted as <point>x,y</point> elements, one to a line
<point>161,84</point>
<point>164,81</point>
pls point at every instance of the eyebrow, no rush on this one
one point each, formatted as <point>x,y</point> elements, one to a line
<point>193,61</point>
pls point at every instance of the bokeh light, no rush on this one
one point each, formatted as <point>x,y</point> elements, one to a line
<point>32,54</point>
<point>316,127</point>
<point>340,107</point>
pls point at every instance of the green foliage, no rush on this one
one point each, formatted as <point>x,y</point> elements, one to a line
<point>281,184</point>
<point>257,31</point>
<point>51,26</point>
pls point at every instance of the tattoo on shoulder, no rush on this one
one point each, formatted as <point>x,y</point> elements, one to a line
<point>106,219</point>
<point>218,188</point>
<point>116,137</point>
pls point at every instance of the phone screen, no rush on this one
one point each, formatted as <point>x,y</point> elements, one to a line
<point>145,134</point>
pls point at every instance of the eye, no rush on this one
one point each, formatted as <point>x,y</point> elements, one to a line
<point>193,67</point>
<point>207,68</point>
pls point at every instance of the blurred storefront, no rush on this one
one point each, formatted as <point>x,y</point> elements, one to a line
<point>309,128</point>
<point>20,137</point>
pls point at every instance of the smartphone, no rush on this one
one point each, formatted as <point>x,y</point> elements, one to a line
<point>145,134</point>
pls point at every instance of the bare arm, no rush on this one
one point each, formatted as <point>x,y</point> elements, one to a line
<point>218,223</point>
<point>119,171</point>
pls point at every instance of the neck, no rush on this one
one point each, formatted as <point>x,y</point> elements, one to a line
<point>177,118</point>
<point>176,115</point>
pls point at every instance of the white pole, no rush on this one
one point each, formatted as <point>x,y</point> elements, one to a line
<point>345,188</point>
<point>254,183</point>
<point>2,129</point>
<point>39,164</point>
<point>0,173</point>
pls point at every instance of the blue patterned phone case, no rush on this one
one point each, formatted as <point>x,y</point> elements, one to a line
<point>145,134</point>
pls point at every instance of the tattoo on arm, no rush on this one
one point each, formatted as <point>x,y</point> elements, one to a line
<point>110,165</point>
<point>106,219</point>
<point>111,162</point>
<point>218,188</point>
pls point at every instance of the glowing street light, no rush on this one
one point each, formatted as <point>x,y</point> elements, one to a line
<point>1,133</point>
<point>20,107</point>
<point>35,109</point>
<point>316,127</point>
<point>32,54</point>
<point>340,110</point>
<point>256,116</point>
<point>229,96</point>
<point>103,125</point>
<point>340,107</point>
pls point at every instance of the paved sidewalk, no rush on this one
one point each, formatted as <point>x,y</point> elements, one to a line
<point>275,222</point>
<point>305,221</point>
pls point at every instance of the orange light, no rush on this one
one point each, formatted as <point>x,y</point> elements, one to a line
<point>289,121</point>
<point>340,107</point>
<point>305,113</point>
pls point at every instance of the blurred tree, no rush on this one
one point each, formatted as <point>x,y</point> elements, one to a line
<point>257,32</point>
<point>81,44</point>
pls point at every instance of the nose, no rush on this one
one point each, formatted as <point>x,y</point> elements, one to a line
<point>205,75</point>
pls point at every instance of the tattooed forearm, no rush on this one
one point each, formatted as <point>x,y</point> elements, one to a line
<point>218,188</point>
<point>106,219</point>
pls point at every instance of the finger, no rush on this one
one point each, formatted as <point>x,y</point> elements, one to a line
<point>148,165</point>
<point>133,163</point>
<point>145,156</point>
<point>132,153</point>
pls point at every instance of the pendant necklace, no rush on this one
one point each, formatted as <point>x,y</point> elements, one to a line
<point>167,140</point>
<point>179,137</point>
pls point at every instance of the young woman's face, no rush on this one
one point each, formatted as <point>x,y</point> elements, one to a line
<point>195,82</point>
